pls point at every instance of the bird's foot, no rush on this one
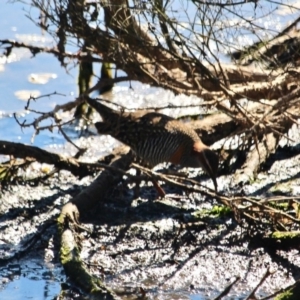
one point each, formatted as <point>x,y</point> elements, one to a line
<point>160,191</point>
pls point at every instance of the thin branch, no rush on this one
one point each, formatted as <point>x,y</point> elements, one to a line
<point>227,289</point>
<point>266,275</point>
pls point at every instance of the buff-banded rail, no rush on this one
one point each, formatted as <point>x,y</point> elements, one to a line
<point>157,138</point>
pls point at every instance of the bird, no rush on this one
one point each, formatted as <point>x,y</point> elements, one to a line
<point>156,138</point>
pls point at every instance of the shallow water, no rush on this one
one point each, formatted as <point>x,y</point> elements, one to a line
<point>30,278</point>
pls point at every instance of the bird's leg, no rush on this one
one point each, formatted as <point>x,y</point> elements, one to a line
<point>159,189</point>
<point>136,191</point>
<point>162,193</point>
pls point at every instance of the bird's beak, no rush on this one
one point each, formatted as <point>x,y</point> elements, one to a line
<point>210,163</point>
<point>215,184</point>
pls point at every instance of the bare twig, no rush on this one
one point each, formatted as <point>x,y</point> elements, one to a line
<point>266,275</point>
<point>227,289</point>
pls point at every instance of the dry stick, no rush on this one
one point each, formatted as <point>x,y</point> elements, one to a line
<point>291,287</point>
<point>73,165</point>
<point>39,97</point>
<point>290,99</point>
<point>81,150</point>
<point>51,114</point>
<point>47,127</point>
<point>289,116</point>
<point>281,102</point>
<point>255,157</point>
<point>262,205</point>
<point>273,210</point>
<point>168,179</point>
<point>263,148</point>
<point>266,275</point>
<point>35,50</point>
<point>228,201</point>
<point>179,177</point>
<point>227,289</point>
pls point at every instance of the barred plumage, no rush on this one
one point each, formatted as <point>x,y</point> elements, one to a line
<point>157,138</point>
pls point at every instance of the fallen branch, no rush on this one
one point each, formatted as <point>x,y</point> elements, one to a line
<point>59,161</point>
<point>255,158</point>
<point>68,221</point>
<point>76,270</point>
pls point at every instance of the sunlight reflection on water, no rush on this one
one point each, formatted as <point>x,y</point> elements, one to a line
<point>20,66</point>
